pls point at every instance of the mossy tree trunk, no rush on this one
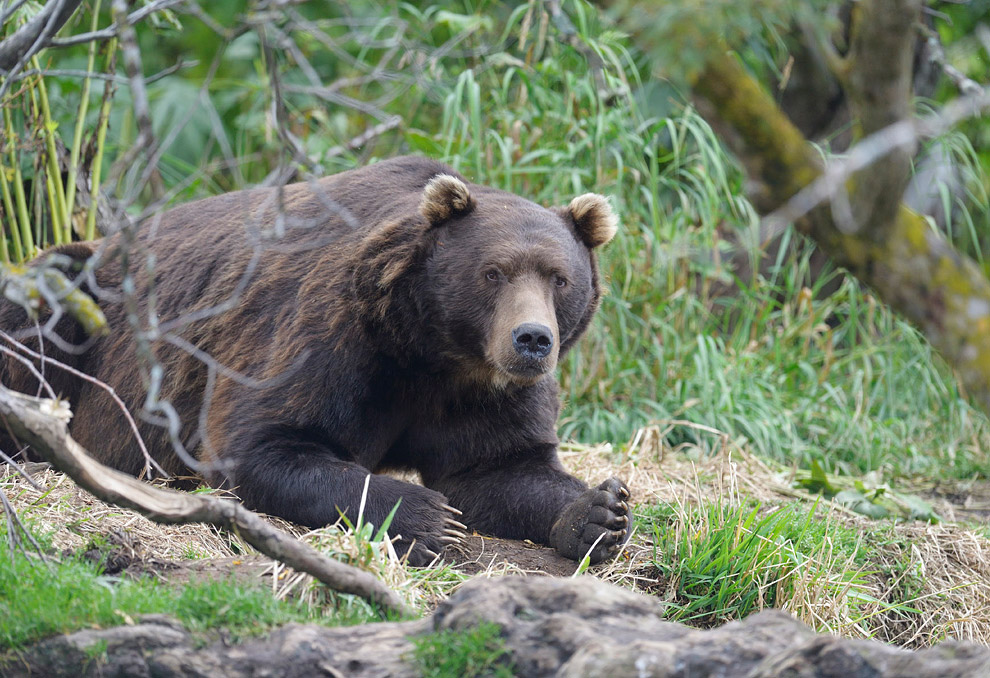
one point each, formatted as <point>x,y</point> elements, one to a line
<point>863,225</point>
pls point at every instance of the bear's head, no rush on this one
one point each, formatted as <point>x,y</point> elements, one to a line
<point>483,283</point>
<point>513,284</point>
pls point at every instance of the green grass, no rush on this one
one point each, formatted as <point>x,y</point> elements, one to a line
<point>716,563</point>
<point>39,600</point>
<point>840,381</point>
<point>478,652</point>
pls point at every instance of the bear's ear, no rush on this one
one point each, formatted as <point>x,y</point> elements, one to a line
<point>444,197</point>
<point>593,216</point>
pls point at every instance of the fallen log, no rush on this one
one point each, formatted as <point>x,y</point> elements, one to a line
<point>549,627</point>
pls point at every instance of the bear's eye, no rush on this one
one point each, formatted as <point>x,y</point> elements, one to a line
<point>559,281</point>
<point>492,275</point>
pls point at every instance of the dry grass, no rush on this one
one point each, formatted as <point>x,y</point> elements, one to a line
<point>940,571</point>
<point>921,584</point>
<point>70,518</point>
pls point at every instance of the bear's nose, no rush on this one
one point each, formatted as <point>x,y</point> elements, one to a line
<point>532,340</point>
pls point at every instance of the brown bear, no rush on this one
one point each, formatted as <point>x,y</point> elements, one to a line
<point>389,317</point>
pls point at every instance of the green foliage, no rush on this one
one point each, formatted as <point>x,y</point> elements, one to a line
<point>477,652</point>
<point>39,179</point>
<point>550,108</point>
<point>866,496</point>
<point>41,599</point>
<point>724,562</point>
<point>681,33</point>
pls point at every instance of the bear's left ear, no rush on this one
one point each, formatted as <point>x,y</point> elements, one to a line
<point>593,216</point>
<point>443,197</point>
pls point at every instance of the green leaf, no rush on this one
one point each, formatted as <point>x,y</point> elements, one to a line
<point>464,23</point>
<point>857,501</point>
<point>920,509</point>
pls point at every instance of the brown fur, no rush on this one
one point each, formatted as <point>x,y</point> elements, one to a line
<point>375,333</point>
<point>593,216</point>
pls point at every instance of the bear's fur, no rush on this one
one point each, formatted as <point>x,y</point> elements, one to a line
<point>390,317</point>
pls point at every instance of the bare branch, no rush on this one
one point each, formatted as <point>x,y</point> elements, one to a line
<point>900,135</point>
<point>35,34</point>
<point>139,94</point>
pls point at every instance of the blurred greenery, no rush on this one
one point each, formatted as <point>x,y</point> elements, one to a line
<point>549,107</point>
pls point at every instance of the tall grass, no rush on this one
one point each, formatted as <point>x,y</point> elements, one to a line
<point>798,375</point>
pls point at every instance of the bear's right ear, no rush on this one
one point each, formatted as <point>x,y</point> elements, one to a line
<point>445,196</point>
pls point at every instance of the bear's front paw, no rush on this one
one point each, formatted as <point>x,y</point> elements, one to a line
<point>425,524</point>
<point>595,524</point>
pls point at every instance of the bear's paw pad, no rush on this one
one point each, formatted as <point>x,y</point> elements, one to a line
<point>596,524</point>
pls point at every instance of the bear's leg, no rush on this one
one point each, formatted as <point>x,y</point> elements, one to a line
<point>307,484</point>
<point>539,501</point>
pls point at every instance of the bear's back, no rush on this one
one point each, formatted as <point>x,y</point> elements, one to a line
<point>326,209</point>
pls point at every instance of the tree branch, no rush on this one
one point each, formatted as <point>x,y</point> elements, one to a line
<point>913,268</point>
<point>43,424</point>
<point>880,94</point>
<point>47,22</point>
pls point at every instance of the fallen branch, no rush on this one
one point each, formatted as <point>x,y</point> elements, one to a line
<point>42,423</point>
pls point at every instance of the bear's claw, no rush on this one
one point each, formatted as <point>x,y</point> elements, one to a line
<point>595,524</point>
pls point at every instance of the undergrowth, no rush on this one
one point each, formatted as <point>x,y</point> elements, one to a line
<point>719,562</point>
<point>40,598</point>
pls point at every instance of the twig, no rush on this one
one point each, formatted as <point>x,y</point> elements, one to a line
<point>42,384</point>
<point>109,77</point>
<point>14,525</point>
<point>139,95</point>
<point>901,134</point>
<point>113,31</point>
<point>12,463</point>
<point>360,140</point>
<point>47,432</point>
<point>9,12</point>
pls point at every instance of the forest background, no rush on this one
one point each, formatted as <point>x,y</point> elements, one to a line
<point>715,336</point>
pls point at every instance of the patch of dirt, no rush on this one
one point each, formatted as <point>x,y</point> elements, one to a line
<point>115,551</point>
<point>481,554</point>
<point>961,501</point>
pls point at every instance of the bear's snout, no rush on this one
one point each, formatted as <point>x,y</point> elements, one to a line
<point>532,341</point>
<point>524,338</point>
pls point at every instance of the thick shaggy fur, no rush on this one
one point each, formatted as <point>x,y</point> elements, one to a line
<point>354,335</point>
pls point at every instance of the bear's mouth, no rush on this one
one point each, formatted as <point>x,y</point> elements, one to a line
<point>527,372</point>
